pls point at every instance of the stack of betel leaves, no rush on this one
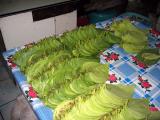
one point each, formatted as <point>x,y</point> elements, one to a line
<point>106,102</point>
<point>131,36</point>
<point>66,73</point>
<point>135,41</point>
<point>149,56</point>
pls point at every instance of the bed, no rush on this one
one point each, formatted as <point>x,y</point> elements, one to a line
<point>123,68</point>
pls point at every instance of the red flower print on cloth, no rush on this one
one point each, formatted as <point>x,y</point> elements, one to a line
<point>153,108</point>
<point>134,58</point>
<point>114,56</point>
<point>111,56</point>
<point>157,45</point>
<point>12,65</point>
<point>31,94</point>
<point>154,33</point>
<point>139,63</point>
<point>144,83</point>
<point>113,78</point>
<point>107,58</point>
<point>10,62</point>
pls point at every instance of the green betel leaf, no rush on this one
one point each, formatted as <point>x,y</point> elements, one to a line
<point>139,109</point>
<point>149,56</point>
<point>131,36</point>
<point>154,116</point>
<point>122,91</point>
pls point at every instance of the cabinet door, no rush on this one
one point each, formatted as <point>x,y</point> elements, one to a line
<point>20,29</point>
<point>43,28</point>
<point>65,22</point>
<point>17,29</point>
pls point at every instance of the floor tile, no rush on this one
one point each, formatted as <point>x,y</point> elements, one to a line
<point>3,74</point>
<point>8,91</point>
<point>6,110</point>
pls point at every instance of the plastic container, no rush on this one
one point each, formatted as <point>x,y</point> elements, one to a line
<point>98,16</point>
<point>82,20</point>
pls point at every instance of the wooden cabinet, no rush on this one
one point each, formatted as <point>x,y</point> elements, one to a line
<point>31,25</point>
<point>20,29</point>
<point>17,29</point>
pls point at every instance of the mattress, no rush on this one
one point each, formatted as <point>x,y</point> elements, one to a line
<point>122,69</point>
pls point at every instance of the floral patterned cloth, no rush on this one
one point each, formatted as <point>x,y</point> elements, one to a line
<point>127,69</point>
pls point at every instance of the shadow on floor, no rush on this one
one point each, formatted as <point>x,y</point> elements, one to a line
<point>8,92</point>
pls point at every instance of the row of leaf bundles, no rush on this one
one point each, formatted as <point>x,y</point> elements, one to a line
<point>88,41</point>
<point>52,63</point>
<point>133,39</point>
<point>106,102</point>
<point>30,55</point>
<point>149,56</point>
<point>82,42</point>
<point>71,79</point>
<point>56,71</point>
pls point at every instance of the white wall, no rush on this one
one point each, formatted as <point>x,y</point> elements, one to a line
<point>20,29</point>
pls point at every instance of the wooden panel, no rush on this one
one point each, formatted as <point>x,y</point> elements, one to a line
<point>65,22</point>
<point>53,10</point>
<point>17,30</point>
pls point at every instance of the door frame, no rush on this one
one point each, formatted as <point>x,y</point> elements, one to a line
<point>2,45</point>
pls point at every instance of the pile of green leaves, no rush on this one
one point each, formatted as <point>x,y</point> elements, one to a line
<point>88,41</point>
<point>68,77</point>
<point>149,56</point>
<point>76,80</point>
<point>64,63</point>
<point>28,56</point>
<point>106,102</point>
<point>133,39</point>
